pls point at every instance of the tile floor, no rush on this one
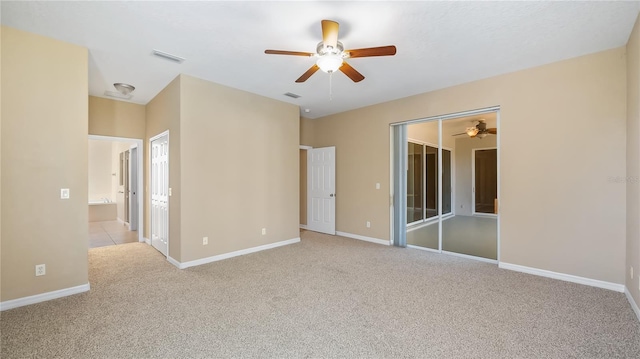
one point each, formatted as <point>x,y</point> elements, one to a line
<point>110,233</point>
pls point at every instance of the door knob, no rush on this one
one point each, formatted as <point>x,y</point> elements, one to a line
<point>331,195</point>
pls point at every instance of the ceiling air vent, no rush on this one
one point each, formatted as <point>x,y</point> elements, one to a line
<point>292,95</point>
<point>168,56</point>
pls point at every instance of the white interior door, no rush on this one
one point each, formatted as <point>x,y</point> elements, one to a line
<point>321,190</point>
<point>133,189</point>
<point>160,193</point>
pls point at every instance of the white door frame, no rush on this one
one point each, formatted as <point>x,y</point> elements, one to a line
<point>138,143</point>
<point>495,109</point>
<point>162,134</point>
<point>134,204</point>
<point>473,182</point>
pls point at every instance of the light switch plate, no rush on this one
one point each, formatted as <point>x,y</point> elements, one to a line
<point>64,193</point>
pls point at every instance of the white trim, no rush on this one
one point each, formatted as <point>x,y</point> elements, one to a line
<point>38,298</point>
<point>146,240</point>
<point>423,248</point>
<point>303,226</point>
<point>391,193</point>
<point>486,215</point>
<point>561,276</point>
<point>467,256</point>
<point>241,252</point>
<point>174,262</point>
<point>449,116</point>
<point>632,302</point>
<point>303,147</point>
<point>498,129</point>
<point>363,238</point>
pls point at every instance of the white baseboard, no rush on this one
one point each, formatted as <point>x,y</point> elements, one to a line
<point>634,306</point>
<point>174,262</point>
<point>38,298</point>
<point>220,257</point>
<point>566,277</point>
<point>363,238</point>
<point>146,240</point>
<point>303,226</point>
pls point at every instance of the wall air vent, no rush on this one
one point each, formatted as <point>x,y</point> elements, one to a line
<point>116,94</point>
<point>168,56</point>
<point>292,95</point>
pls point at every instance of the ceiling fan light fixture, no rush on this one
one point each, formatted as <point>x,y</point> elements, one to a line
<point>329,63</point>
<point>481,135</point>
<point>123,88</point>
<point>472,131</point>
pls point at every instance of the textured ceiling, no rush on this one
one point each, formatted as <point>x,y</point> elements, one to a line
<point>439,44</point>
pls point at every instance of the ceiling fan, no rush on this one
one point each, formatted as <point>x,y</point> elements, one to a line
<point>331,54</point>
<point>480,130</point>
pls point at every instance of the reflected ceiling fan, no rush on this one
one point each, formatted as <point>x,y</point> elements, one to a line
<point>331,54</point>
<point>480,130</point>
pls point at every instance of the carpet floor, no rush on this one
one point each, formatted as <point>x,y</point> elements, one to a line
<point>323,297</point>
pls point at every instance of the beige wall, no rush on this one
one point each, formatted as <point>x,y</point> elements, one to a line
<point>162,114</point>
<point>306,131</point>
<point>239,169</point>
<point>100,179</point>
<point>633,163</point>
<point>116,118</point>
<point>50,129</point>
<point>306,139</point>
<point>562,185</point>
<point>463,171</point>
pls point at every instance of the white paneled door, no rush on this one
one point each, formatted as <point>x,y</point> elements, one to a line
<point>321,190</point>
<point>160,193</point>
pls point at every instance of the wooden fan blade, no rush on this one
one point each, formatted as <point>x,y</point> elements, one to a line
<point>458,134</point>
<point>373,51</point>
<point>294,53</point>
<point>308,74</point>
<point>493,131</point>
<point>351,73</point>
<point>330,33</point>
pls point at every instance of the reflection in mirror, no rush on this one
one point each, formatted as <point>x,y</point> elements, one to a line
<point>415,209</point>
<point>471,228</point>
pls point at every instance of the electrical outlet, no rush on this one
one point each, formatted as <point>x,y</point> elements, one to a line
<point>368,224</point>
<point>205,241</point>
<point>264,231</point>
<point>377,185</point>
<point>64,193</point>
<point>41,269</point>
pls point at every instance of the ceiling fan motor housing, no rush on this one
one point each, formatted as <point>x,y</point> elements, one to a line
<point>322,50</point>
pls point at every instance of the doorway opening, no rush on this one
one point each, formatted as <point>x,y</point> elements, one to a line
<point>115,177</point>
<point>445,184</point>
